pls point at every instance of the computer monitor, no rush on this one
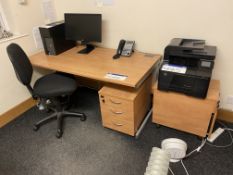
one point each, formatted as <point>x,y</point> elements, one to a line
<point>85,28</point>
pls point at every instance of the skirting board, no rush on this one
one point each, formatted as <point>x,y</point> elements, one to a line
<point>225,115</point>
<point>16,111</point>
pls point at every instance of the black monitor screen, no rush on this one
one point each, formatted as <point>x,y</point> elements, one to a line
<point>83,27</point>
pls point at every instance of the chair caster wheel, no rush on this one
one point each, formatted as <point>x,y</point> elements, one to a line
<point>83,118</point>
<point>35,127</point>
<point>59,134</point>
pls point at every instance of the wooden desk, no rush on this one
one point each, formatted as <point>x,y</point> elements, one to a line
<point>98,63</point>
<point>124,104</point>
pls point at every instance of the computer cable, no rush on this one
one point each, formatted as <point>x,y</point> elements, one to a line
<point>171,171</point>
<point>229,129</point>
<point>198,149</point>
<point>186,171</point>
<point>204,141</point>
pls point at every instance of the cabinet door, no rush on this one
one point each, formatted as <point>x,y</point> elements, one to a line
<point>182,112</point>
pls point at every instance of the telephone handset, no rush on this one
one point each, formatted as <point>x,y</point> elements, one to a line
<point>125,48</point>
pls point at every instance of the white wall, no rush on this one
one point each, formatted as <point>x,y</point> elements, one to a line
<point>21,20</point>
<point>152,23</point>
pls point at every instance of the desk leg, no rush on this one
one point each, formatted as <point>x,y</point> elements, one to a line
<point>143,124</point>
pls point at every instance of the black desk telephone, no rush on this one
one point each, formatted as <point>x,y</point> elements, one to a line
<point>125,48</point>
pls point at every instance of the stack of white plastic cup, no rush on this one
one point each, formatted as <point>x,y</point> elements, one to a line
<point>158,163</point>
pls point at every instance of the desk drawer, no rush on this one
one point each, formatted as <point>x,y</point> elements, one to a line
<point>119,108</point>
<point>117,102</point>
<point>118,124</point>
<point>108,112</point>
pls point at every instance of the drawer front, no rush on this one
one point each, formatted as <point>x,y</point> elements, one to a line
<point>117,108</point>
<point>120,125</point>
<point>116,102</point>
<point>113,114</point>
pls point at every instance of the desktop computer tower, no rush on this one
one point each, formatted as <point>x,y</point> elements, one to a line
<point>54,40</point>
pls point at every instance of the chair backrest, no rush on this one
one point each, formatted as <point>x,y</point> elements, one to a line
<point>20,61</point>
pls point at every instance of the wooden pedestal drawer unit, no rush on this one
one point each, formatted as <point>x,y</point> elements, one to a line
<point>123,109</point>
<point>185,113</point>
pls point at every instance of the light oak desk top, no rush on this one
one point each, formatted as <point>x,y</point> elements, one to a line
<point>98,63</point>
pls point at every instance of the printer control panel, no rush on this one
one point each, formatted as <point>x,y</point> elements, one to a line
<point>206,64</point>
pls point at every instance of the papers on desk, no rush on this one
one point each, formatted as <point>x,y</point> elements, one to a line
<point>116,76</point>
<point>174,68</point>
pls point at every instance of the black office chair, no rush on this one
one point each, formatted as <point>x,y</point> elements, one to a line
<point>50,88</point>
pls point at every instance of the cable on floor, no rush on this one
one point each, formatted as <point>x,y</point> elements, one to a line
<point>198,149</point>
<point>229,130</point>
<point>186,171</point>
<point>171,171</point>
<point>204,141</point>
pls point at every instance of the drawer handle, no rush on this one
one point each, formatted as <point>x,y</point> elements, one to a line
<point>118,124</point>
<point>118,113</point>
<point>114,102</point>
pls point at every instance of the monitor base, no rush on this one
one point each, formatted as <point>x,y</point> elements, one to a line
<point>87,50</point>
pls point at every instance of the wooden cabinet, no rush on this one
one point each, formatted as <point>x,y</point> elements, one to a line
<point>123,109</point>
<point>185,113</point>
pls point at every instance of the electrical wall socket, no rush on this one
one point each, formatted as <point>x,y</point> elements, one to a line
<point>230,100</point>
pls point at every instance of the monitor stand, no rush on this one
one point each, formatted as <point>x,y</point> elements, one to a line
<point>87,50</point>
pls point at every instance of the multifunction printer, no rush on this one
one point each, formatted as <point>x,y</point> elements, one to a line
<point>187,67</point>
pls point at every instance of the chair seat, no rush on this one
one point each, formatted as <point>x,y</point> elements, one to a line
<point>54,85</point>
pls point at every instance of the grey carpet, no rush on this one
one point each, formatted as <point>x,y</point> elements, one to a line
<point>87,148</point>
